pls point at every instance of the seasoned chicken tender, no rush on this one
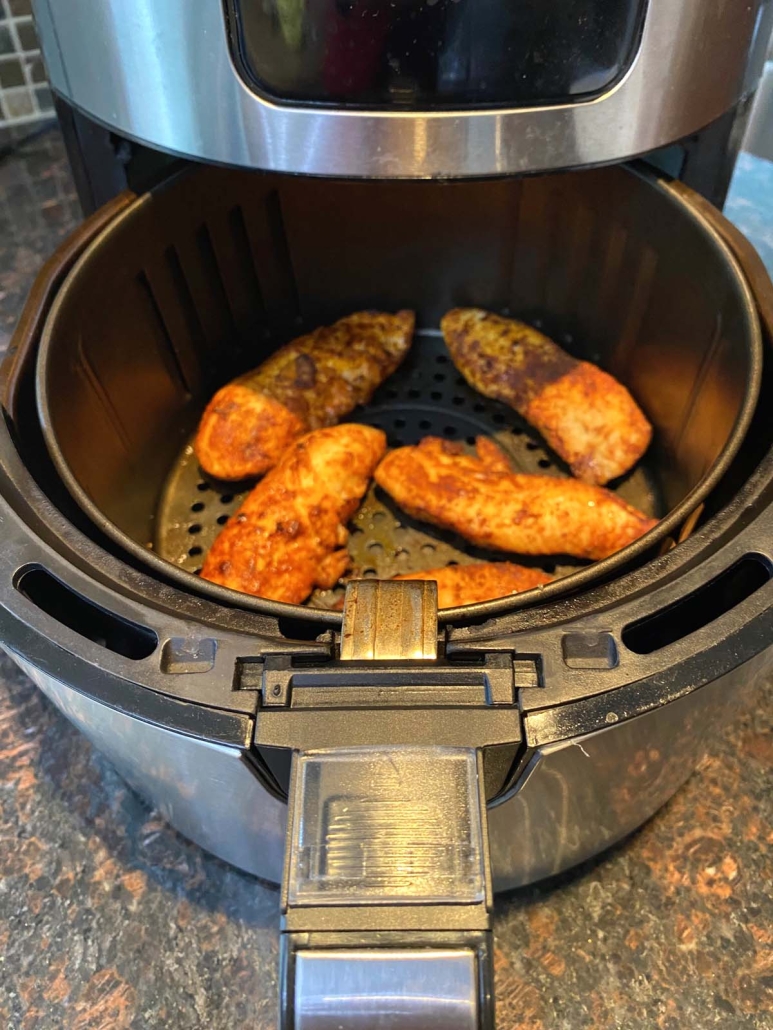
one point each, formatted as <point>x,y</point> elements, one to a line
<point>289,535</point>
<point>243,433</point>
<point>481,581</point>
<point>585,415</point>
<point>484,501</point>
<point>309,383</point>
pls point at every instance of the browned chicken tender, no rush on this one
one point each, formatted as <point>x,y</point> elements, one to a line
<point>244,433</point>
<point>290,534</point>
<point>309,383</point>
<point>484,501</point>
<point>584,414</point>
<point>481,581</point>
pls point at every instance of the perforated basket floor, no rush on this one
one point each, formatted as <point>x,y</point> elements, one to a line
<point>425,397</point>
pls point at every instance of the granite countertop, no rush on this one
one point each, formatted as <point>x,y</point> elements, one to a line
<point>109,919</point>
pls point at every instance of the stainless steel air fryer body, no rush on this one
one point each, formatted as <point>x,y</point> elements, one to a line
<point>407,89</point>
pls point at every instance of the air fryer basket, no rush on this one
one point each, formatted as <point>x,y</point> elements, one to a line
<point>203,277</point>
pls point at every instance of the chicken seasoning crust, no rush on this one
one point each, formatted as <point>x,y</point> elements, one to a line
<point>483,500</point>
<point>480,581</point>
<point>587,417</point>
<point>289,535</point>
<point>309,383</point>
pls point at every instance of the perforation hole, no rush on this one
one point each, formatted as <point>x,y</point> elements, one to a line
<point>399,423</point>
<point>375,547</point>
<point>414,394</point>
<point>428,548</point>
<point>195,528</point>
<point>369,572</point>
<point>479,408</point>
<point>425,424</point>
<point>436,396</point>
<point>450,431</point>
<point>226,498</point>
<point>441,359</point>
<point>222,519</point>
<point>532,446</point>
<point>202,486</point>
<point>498,418</point>
<point>457,400</point>
<point>194,551</point>
<point>544,463</point>
<point>198,506</point>
<point>439,377</point>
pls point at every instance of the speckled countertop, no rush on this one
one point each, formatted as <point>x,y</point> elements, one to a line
<point>109,919</point>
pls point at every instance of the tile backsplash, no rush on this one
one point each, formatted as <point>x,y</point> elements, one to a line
<point>24,94</point>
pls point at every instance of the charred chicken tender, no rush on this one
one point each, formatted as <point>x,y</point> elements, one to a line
<point>289,535</point>
<point>587,417</point>
<point>309,383</point>
<point>482,499</point>
<point>480,581</point>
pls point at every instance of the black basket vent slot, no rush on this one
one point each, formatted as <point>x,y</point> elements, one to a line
<point>704,606</point>
<point>89,620</point>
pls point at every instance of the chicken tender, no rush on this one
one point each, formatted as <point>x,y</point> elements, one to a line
<point>483,500</point>
<point>244,433</point>
<point>584,414</point>
<point>309,383</point>
<point>289,535</point>
<point>481,581</point>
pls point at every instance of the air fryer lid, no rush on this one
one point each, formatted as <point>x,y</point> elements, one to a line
<point>203,277</point>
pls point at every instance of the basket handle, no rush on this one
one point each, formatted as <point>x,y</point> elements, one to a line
<point>386,897</point>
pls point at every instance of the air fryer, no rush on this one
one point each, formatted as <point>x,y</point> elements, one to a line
<point>391,765</point>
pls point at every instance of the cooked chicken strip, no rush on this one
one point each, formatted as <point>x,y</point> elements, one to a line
<point>491,506</point>
<point>482,581</point>
<point>585,415</point>
<point>244,433</point>
<point>309,383</point>
<point>290,533</point>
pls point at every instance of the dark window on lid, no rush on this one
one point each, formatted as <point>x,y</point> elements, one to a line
<point>424,54</point>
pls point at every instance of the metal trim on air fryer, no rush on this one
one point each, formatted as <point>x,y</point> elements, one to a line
<point>424,988</point>
<point>165,77</point>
